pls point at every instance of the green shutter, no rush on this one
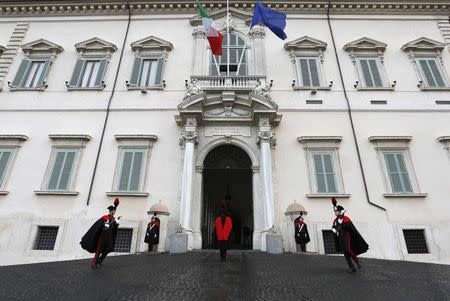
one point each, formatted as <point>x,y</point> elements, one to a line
<point>21,73</point>
<point>135,179</point>
<point>398,173</point>
<point>44,73</point>
<point>366,73</point>
<point>136,73</point>
<point>4,161</point>
<point>56,170</point>
<point>314,72</point>
<point>427,73</point>
<point>328,167</point>
<point>125,170</point>
<point>77,72</point>
<point>305,73</point>
<point>375,73</point>
<point>404,176</point>
<point>319,174</point>
<point>101,73</point>
<point>437,74</point>
<point>66,171</point>
<point>159,71</point>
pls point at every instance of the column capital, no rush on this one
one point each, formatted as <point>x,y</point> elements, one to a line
<point>199,33</point>
<point>257,32</point>
<point>266,136</point>
<point>188,137</point>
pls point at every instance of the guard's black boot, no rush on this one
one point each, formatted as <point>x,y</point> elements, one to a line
<point>352,270</point>
<point>359,265</point>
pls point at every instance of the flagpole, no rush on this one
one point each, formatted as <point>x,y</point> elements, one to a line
<point>217,66</point>
<point>228,38</point>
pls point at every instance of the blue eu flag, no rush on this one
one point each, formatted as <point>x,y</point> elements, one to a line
<point>274,20</point>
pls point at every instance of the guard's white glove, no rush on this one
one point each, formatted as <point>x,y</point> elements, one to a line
<point>340,220</point>
<point>334,230</point>
<point>118,220</point>
<point>107,225</point>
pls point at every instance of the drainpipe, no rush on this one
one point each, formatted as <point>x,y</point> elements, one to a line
<point>105,122</point>
<point>349,111</point>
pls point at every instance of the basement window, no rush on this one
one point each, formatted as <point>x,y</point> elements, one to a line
<point>415,241</point>
<point>123,240</point>
<point>328,242</point>
<point>45,238</point>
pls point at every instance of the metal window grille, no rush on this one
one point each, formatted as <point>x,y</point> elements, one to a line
<point>415,241</point>
<point>45,238</point>
<point>123,240</point>
<point>328,242</point>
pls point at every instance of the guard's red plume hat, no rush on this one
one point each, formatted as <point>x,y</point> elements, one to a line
<point>333,201</point>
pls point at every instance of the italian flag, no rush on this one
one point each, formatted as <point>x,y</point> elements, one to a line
<point>214,36</point>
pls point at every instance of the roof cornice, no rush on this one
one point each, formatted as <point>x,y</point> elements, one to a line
<point>116,7</point>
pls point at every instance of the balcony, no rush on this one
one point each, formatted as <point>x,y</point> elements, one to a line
<point>216,83</point>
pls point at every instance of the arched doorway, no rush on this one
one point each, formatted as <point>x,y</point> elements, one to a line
<point>227,174</point>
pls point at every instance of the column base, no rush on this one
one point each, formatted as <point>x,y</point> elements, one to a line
<point>179,243</point>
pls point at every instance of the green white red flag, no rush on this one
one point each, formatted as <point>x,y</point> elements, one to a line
<point>212,34</point>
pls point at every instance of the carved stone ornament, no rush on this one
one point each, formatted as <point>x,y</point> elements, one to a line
<point>266,136</point>
<point>262,89</point>
<point>199,33</point>
<point>188,137</point>
<point>257,32</point>
<point>192,88</point>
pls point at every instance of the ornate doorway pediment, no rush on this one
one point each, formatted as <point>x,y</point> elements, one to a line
<point>227,106</point>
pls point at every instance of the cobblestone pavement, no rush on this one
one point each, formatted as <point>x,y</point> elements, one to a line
<point>245,276</point>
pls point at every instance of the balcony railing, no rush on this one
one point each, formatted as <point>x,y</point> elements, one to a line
<point>244,83</point>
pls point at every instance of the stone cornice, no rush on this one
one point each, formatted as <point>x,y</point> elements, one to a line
<point>116,7</point>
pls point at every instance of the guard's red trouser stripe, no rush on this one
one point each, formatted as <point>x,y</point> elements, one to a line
<point>349,248</point>
<point>97,251</point>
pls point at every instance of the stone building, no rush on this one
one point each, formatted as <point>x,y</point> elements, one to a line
<point>105,99</point>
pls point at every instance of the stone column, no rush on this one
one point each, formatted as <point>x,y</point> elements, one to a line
<point>200,52</point>
<point>257,62</point>
<point>188,140</point>
<point>266,140</point>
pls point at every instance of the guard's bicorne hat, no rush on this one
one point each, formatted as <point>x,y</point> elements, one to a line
<point>336,207</point>
<point>116,204</point>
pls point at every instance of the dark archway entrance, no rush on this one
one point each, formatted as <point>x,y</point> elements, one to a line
<point>227,175</point>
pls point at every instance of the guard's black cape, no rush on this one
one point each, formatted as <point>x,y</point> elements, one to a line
<point>348,238</point>
<point>301,236</point>
<point>90,239</point>
<point>152,234</point>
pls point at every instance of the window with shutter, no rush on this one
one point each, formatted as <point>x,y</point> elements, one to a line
<point>62,166</point>
<point>131,170</point>
<point>5,158</point>
<point>237,61</point>
<point>88,73</point>
<point>31,74</point>
<point>370,72</point>
<point>398,172</point>
<point>308,70</point>
<point>324,173</point>
<point>431,72</point>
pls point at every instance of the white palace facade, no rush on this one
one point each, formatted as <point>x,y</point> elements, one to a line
<point>105,99</point>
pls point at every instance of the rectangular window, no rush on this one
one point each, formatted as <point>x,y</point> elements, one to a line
<point>131,170</point>
<point>329,245</point>
<point>90,73</point>
<point>45,238</point>
<point>369,70</point>
<point>123,240</point>
<point>308,70</point>
<point>398,172</point>
<point>431,72</point>
<point>415,241</point>
<point>324,173</point>
<point>31,74</point>
<point>148,72</point>
<point>62,166</point>
<point>5,159</point>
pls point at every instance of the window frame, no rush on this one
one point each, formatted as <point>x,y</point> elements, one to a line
<point>87,59</point>
<point>432,248</point>
<point>211,63</point>
<point>132,141</point>
<point>67,142</point>
<point>51,166</point>
<point>395,144</point>
<point>120,161</point>
<point>381,70</point>
<point>13,142</point>
<point>320,73</point>
<point>323,145</point>
<point>154,56</point>
<point>52,222</point>
<point>47,62</point>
